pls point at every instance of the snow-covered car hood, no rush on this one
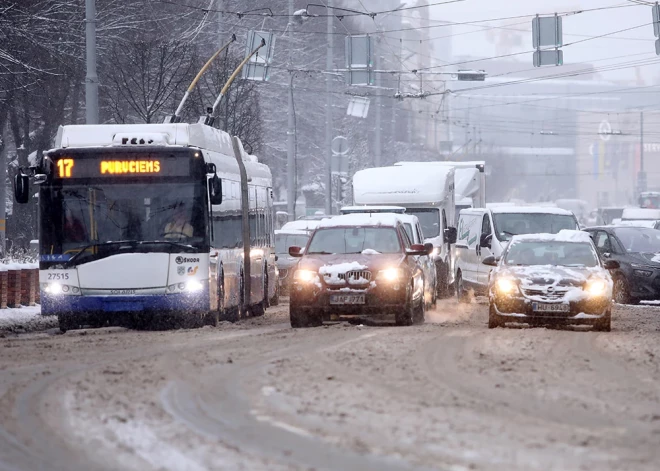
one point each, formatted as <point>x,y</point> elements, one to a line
<point>550,275</point>
<point>372,263</point>
<point>650,259</point>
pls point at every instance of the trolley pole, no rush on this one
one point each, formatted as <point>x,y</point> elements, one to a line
<point>378,146</point>
<point>91,79</point>
<point>328,113</point>
<point>291,150</point>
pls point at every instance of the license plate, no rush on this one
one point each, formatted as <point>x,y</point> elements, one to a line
<point>542,307</point>
<point>347,299</point>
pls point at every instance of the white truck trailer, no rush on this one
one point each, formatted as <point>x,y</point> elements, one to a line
<point>426,192</point>
<point>469,182</point>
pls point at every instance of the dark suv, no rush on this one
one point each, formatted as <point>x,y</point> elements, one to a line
<point>637,249</point>
<point>358,266</point>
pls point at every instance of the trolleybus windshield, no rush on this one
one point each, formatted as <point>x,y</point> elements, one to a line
<point>98,205</point>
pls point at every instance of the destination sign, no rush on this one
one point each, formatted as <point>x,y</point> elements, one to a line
<point>121,165</point>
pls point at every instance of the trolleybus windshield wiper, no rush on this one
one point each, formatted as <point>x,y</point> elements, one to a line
<point>124,244</point>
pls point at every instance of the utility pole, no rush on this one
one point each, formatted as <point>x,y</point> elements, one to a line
<point>641,178</point>
<point>378,146</point>
<point>220,18</point>
<point>91,79</point>
<point>328,112</point>
<point>3,190</point>
<point>291,143</point>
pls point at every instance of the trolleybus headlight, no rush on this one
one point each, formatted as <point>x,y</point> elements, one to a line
<point>53,288</point>
<point>65,289</point>
<point>181,286</point>
<point>194,286</point>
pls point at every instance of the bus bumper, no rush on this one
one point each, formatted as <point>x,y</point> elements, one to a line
<point>165,303</point>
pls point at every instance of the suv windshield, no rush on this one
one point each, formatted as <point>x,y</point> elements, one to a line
<point>640,240</point>
<point>565,254</point>
<point>284,241</point>
<point>429,219</point>
<point>510,224</point>
<point>351,240</point>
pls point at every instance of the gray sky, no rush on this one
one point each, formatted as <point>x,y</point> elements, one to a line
<point>638,44</point>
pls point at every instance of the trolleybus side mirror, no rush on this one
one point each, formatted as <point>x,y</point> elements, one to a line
<point>215,190</point>
<point>21,188</point>
<point>429,248</point>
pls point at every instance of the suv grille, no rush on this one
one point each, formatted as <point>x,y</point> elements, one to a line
<point>356,276</point>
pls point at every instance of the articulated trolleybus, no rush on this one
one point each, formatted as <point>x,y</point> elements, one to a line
<point>143,223</point>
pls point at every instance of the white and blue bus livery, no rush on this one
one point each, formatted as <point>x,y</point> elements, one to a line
<point>132,226</point>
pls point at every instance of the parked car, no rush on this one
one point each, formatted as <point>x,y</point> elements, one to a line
<point>286,263</point>
<point>637,251</point>
<point>486,232</point>
<point>546,279</point>
<point>358,265</point>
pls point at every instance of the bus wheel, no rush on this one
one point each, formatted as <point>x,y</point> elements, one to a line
<point>259,309</point>
<point>68,321</point>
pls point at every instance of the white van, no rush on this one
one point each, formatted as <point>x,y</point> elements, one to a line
<point>486,232</point>
<point>426,191</point>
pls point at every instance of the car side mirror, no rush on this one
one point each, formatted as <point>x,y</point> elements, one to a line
<point>611,265</point>
<point>21,188</point>
<point>450,235</point>
<point>276,258</point>
<point>296,251</point>
<point>417,249</point>
<point>215,190</point>
<point>491,261</point>
<point>485,240</point>
<point>429,248</point>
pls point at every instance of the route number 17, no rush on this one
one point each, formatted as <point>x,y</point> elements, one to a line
<point>64,166</point>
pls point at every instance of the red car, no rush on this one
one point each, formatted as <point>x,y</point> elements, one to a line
<point>358,266</point>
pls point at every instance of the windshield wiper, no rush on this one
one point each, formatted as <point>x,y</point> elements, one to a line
<point>320,253</point>
<point>99,244</point>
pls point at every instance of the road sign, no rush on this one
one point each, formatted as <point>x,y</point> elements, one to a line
<point>605,130</point>
<point>547,31</point>
<point>258,66</point>
<point>358,106</point>
<point>656,20</point>
<point>471,75</point>
<point>552,57</point>
<point>340,145</point>
<point>359,61</point>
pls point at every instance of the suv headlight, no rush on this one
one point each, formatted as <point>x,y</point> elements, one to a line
<point>390,274</point>
<point>306,276</point>
<point>596,287</point>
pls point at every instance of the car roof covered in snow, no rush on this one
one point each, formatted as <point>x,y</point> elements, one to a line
<point>372,209</point>
<point>640,213</point>
<point>291,232</point>
<point>530,210</point>
<point>362,219</point>
<point>305,225</point>
<point>565,235</point>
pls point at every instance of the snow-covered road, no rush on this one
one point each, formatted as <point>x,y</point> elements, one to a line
<point>449,394</point>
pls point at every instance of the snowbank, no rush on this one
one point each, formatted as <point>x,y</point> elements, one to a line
<point>25,319</point>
